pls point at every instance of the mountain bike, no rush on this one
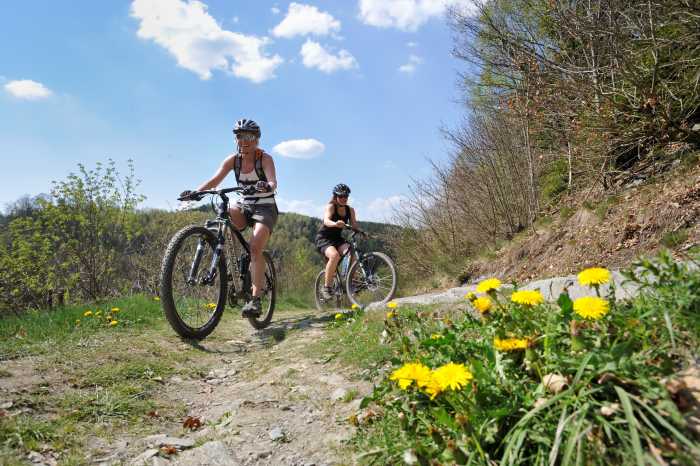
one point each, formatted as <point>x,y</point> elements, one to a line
<point>364,277</point>
<point>206,267</point>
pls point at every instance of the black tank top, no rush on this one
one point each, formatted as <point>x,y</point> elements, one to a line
<point>335,232</point>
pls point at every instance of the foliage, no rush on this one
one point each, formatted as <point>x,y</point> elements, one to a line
<point>576,391</point>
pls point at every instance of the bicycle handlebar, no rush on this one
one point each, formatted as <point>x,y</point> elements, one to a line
<point>356,231</point>
<point>195,194</point>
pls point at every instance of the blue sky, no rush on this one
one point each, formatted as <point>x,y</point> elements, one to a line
<point>352,91</point>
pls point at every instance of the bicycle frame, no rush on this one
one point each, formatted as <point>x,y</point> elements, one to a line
<point>222,222</point>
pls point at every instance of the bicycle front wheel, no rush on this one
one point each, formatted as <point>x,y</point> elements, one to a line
<point>372,279</point>
<point>268,296</point>
<point>193,299</point>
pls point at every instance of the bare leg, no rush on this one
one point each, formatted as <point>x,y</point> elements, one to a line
<point>333,258</point>
<point>261,233</point>
<point>237,218</point>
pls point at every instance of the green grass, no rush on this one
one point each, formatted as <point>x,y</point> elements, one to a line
<point>506,415</point>
<point>39,331</point>
<point>673,239</point>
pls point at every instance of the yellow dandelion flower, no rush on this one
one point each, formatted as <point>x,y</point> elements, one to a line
<point>471,296</point>
<point>113,323</point>
<point>390,315</point>
<point>354,307</point>
<point>482,304</point>
<point>392,305</point>
<point>436,336</point>
<point>527,297</point>
<point>487,285</point>
<point>211,305</point>
<point>510,344</point>
<point>339,316</point>
<point>431,386</point>
<point>591,307</point>
<point>452,376</point>
<point>411,372</point>
<point>115,310</point>
<point>594,276</point>
<point>156,298</point>
<point>87,313</point>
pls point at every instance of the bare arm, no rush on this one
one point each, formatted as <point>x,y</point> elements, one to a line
<point>268,166</point>
<point>327,217</point>
<point>353,219</point>
<point>224,169</point>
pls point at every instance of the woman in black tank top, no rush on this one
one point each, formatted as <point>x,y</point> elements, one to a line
<point>329,240</point>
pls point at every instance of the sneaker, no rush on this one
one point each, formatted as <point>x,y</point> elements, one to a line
<point>327,293</point>
<point>253,308</point>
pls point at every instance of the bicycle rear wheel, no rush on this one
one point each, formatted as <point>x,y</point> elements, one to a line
<point>192,301</point>
<point>268,296</point>
<point>372,279</point>
<point>327,305</point>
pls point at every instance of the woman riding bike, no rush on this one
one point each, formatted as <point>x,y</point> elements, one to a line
<point>252,167</point>
<point>329,240</point>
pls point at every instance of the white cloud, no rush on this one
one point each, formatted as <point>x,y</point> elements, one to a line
<point>303,19</point>
<point>413,62</point>
<point>300,148</point>
<point>407,15</point>
<point>186,30</point>
<point>380,209</point>
<point>412,44</point>
<point>275,10</point>
<point>305,207</point>
<point>27,89</point>
<point>315,56</point>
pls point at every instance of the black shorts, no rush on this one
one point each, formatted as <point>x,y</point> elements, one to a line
<point>323,243</point>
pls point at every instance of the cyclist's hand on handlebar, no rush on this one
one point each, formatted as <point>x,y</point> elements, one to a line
<point>190,196</point>
<point>340,224</point>
<point>249,190</point>
<point>262,186</point>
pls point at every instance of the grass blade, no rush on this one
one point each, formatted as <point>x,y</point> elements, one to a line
<point>632,423</point>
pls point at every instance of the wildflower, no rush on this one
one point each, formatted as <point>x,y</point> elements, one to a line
<point>471,296</point>
<point>156,298</point>
<point>452,376</point>
<point>87,313</point>
<point>482,304</point>
<point>594,276</point>
<point>339,316</point>
<point>436,336</point>
<point>115,310</point>
<point>487,285</point>
<point>591,307</point>
<point>211,305</point>
<point>392,305</point>
<point>354,307</point>
<point>113,323</point>
<point>527,297</point>
<point>411,372</point>
<point>431,386</point>
<point>390,315</point>
<point>510,344</point>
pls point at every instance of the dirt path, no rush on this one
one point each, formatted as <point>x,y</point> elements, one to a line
<point>274,403</point>
<point>262,397</point>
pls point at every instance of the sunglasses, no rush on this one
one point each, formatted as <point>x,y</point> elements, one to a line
<point>341,196</point>
<point>246,137</point>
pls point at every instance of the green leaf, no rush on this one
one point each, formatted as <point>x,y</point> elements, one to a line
<point>632,425</point>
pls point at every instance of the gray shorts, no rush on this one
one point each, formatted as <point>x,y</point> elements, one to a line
<point>258,213</point>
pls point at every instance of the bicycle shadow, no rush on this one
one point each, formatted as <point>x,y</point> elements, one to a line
<point>278,330</point>
<point>274,334</point>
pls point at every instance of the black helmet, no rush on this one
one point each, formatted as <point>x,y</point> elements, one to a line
<point>246,126</point>
<point>341,189</point>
